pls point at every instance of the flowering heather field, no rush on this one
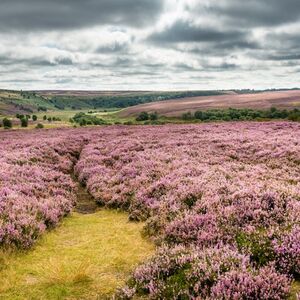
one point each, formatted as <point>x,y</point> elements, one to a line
<point>222,201</point>
<point>35,187</point>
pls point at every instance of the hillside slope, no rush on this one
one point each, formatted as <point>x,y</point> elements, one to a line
<point>173,108</point>
<point>12,102</point>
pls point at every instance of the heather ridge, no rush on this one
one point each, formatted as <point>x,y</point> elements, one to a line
<point>221,201</point>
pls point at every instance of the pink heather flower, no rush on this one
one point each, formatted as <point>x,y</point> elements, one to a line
<point>224,197</point>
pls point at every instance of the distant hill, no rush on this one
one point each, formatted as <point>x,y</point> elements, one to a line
<point>169,103</point>
<point>12,102</point>
<point>284,99</point>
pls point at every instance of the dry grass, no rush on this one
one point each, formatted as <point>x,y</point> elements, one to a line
<point>87,257</point>
<point>295,290</point>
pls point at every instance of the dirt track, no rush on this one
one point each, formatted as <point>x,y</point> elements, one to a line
<point>173,108</point>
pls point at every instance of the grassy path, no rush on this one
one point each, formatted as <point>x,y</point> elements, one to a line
<point>87,257</point>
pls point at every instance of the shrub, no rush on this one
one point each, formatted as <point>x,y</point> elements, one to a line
<point>193,228</point>
<point>295,116</point>
<point>7,123</point>
<point>128,123</point>
<point>34,118</point>
<point>185,273</point>
<point>265,284</point>
<point>143,116</point>
<point>39,126</point>
<point>84,119</point>
<point>153,116</point>
<point>42,108</point>
<point>24,122</point>
<point>83,122</point>
<point>187,116</point>
<point>18,116</point>
<point>287,251</point>
<point>199,115</point>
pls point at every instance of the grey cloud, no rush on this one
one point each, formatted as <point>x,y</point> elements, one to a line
<point>35,61</point>
<point>65,61</point>
<point>225,66</point>
<point>185,67</point>
<point>283,57</point>
<point>111,49</point>
<point>183,31</point>
<point>221,49</point>
<point>63,80</point>
<point>19,80</point>
<point>33,15</point>
<point>256,13</point>
<point>241,44</point>
<point>243,39</point>
<point>205,67</point>
<point>283,40</point>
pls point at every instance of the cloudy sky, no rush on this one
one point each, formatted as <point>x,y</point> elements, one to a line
<point>149,44</point>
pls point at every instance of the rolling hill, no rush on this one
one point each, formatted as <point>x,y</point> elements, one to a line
<point>12,102</point>
<point>166,103</point>
<point>284,99</point>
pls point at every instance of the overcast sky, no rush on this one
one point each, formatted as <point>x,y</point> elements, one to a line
<point>149,44</point>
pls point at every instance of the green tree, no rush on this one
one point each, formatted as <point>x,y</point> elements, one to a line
<point>34,118</point>
<point>82,122</point>
<point>143,116</point>
<point>39,126</point>
<point>199,115</point>
<point>24,122</point>
<point>7,123</point>
<point>187,116</point>
<point>153,116</point>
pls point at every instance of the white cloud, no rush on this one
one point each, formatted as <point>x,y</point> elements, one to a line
<point>186,45</point>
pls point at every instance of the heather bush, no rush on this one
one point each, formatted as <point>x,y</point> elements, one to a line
<point>287,251</point>
<point>201,187</point>
<point>214,273</point>
<point>193,228</point>
<point>36,190</point>
<point>265,284</point>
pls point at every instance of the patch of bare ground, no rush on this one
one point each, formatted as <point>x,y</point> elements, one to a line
<point>85,202</point>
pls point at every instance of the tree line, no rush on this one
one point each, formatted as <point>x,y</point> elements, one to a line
<point>233,114</point>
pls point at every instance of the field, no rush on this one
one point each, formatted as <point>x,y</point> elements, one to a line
<point>176,107</point>
<point>221,202</point>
